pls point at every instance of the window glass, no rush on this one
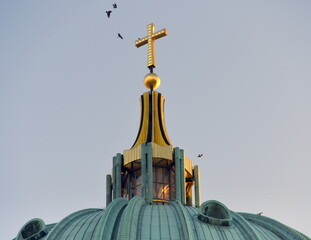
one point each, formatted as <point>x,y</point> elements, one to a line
<point>131,184</point>
<point>163,179</point>
<point>163,187</point>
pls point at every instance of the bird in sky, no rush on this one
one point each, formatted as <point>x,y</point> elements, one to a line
<point>200,155</point>
<point>114,5</point>
<point>108,13</point>
<point>260,213</point>
<point>120,36</point>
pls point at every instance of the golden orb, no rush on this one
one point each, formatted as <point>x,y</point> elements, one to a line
<point>152,81</point>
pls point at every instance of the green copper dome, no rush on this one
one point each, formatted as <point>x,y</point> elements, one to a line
<point>135,219</point>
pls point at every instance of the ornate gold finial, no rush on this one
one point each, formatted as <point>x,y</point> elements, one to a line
<point>149,39</point>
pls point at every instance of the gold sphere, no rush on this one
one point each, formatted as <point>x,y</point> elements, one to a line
<point>152,81</point>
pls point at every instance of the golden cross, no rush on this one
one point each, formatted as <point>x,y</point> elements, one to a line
<point>149,39</point>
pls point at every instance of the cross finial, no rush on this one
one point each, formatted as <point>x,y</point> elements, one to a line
<point>149,39</point>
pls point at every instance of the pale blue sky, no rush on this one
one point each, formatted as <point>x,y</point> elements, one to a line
<point>235,75</point>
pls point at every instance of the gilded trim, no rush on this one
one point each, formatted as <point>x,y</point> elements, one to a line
<point>158,151</point>
<point>152,126</point>
<point>188,165</point>
<point>161,119</point>
<point>141,118</point>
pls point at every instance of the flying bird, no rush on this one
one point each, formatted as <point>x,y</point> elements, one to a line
<point>119,35</point>
<point>200,155</point>
<point>114,5</point>
<point>108,13</point>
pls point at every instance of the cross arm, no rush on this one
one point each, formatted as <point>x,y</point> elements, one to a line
<point>160,34</point>
<point>141,42</point>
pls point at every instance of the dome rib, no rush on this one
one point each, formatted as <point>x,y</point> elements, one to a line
<point>81,228</point>
<point>131,216</point>
<point>160,222</point>
<point>198,226</point>
<point>187,224</point>
<point>110,219</point>
<point>65,224</point>
<point>86,231</point>
<point>279,229</point>
<point>264,233</point>
<point>245,227</point>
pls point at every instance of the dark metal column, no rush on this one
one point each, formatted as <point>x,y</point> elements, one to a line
<point>177,173</point>
<point>108,189</point>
